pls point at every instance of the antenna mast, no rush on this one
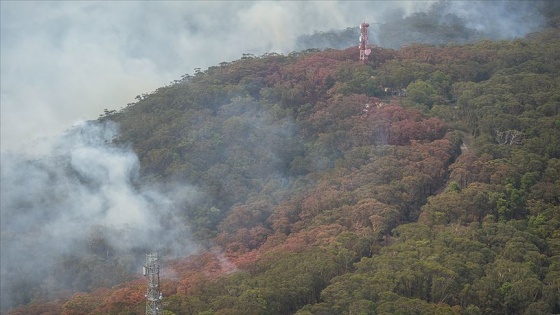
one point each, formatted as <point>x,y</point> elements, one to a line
<point>364,51</point>
<point>153,295</point>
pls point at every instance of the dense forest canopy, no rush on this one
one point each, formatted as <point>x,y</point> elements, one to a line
<point>424,182</point>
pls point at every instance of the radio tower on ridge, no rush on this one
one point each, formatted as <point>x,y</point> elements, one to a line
<point>153,295</point>
<point>364,51</point>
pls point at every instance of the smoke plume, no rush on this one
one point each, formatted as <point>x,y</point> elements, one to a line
<point>75,209</point>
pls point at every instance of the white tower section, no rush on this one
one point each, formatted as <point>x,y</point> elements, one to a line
<point>153,295</point>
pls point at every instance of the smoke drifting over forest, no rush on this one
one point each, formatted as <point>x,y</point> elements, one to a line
<point>64,61</point>
<point>67,61</point>
<point>79,199</point>
<point>440,23</point>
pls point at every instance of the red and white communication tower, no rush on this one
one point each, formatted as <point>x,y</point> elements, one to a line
<point>364,51</point>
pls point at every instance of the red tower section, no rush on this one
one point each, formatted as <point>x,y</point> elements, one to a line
<point>364,51</point>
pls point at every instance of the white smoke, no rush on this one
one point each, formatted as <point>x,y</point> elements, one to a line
<point>80,189</point>
<point>499,19</point>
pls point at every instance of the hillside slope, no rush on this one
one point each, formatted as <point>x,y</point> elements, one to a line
<point>322,192</point>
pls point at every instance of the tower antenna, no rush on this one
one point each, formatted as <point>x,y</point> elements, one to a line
<point>153,294</point>
<point>364,51</point>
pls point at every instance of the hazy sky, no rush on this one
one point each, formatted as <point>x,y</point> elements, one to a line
<point>66,61</point>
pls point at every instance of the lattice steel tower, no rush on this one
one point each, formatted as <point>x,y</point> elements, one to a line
<point>153,295</point>
<point>364,51</point>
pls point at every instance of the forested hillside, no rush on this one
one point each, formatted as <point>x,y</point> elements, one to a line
<point>425,182</point>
